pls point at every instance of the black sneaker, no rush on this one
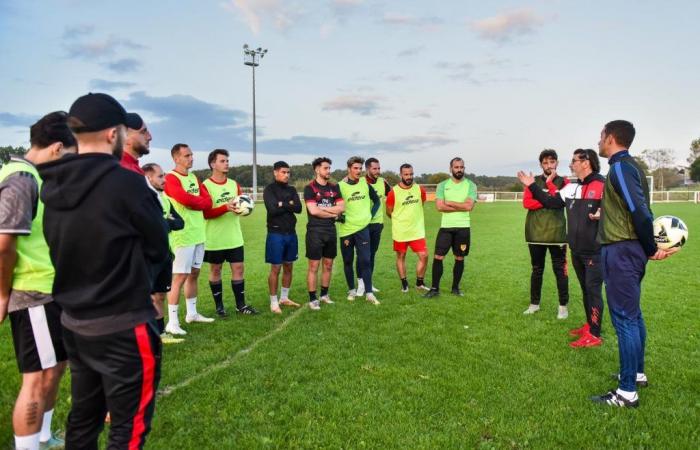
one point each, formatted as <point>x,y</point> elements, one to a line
<point>432,293</point>
<point>221,313</point>
<point>247,309</point>
<point>641,382</point>
<point>457,292</point>
<point>612,398</point>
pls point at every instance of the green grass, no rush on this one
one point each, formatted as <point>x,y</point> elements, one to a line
<point>467,372</point>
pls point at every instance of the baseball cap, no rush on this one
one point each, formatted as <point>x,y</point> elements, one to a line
<point>134,121</point>
<point>96,112</point>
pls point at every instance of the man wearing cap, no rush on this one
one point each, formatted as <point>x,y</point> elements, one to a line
<point>26,281</point>
<point>190,199</point>
<point>106,233</point>
<point>137,143</point>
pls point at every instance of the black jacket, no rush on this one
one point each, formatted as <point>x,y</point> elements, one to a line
<point>105,231</point>
<point>281,219</point>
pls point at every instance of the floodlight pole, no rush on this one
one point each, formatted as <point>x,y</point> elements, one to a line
<point>251,57</point>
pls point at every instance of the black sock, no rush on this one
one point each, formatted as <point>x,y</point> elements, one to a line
<point>437,273</point>
<point>312,296</point>
<point>404,283</point>
<point>457,272</point>
<point>217,291</point>
<point>324,291</point>
<point>238,287</point>
<point>420,282</point>
<point>161,325</point>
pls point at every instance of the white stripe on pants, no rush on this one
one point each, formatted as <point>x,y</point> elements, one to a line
<point>42,336</point>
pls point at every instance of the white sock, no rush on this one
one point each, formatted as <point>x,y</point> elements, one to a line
<point>172,315</point>
<point>46,426</point>
<point>285,293</point>
<point>191,306</point>
<point>627,395</point>
<point>30,442</point>
<point>360,284</point>
<point>273,300</point>
<point>641,376</point>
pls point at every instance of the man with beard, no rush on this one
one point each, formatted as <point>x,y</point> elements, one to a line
<point>454,198</point>
<point>102,279</point>
<point>404,205</point>
<point>361,204</point>
<point>324,204</point>
<point>545,229</point>
<point>376,225</point>
<point>189,198</point>
<point>582,201</point>
<point>26,282</point>
<point>138,140</point>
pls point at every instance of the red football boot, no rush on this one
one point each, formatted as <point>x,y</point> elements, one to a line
<point>580,331</point>
<point>586,340</point>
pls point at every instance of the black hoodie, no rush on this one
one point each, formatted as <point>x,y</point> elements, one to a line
<point>105,230</point>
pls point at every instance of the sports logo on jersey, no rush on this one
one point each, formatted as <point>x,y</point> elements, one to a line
<point>346,242</point>
<point>410,200</point>
<point>591,194</point>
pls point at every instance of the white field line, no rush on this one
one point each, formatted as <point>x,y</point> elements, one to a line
<point>231,359</point>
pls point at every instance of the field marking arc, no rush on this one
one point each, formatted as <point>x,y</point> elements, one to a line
<point>166,391</point>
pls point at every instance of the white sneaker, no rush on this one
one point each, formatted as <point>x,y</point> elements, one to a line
<point>352,294</point>
<point>327,300</point>
<point>360,288</point>
<point>375,290</point>
<point>372,299</point>
<point>423,288</point>
<point>275,308</point>
<point>174,328</point>
<point>563,313</point>
<point>198,318</point>
<point>532,309</point>
<point>315,305</point>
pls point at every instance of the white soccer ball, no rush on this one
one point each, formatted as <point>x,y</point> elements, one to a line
<point>243,205</point>
<point>669,232</point>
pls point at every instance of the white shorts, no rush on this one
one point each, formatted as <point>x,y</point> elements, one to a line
<point>188,258</point>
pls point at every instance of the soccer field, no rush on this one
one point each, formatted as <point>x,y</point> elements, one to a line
<point>450,372</point>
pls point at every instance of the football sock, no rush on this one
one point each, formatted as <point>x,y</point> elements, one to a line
<point>30,442</point>
<point>404,283</point>
<point>191,306</point>
<point>324,291</point>
<point>457,272</point>
<point>627,395</point>
<point>238,287</point>
<point>172,314</point>
<point>437,273</point>
<point>161,325</point>
<point>46,426</point>
<point>285,292</point>
<point>312,296</point>
<point>217,291</point>
<point>420,281</point>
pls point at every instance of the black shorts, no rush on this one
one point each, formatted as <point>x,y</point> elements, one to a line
<point>231,255</point>
<point>458,239</point>
<point>321,244</point>
<point>163,277</point>
<point>37,335</point>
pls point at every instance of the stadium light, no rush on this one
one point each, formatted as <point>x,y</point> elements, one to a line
<point>251,57</point>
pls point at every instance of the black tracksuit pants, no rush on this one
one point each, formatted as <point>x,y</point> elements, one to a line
<point>538,253</point>
<point>118,373</point>
<point>590,276</point>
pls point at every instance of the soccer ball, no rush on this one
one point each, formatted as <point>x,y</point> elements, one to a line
<point>243,205</point>
<point>669,232</point>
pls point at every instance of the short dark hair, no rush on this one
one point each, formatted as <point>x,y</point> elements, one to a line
<point>591,156</point>
<point>214,153</point>
<point>405,166</point>
<point>280,165</point>
<point>176,149</point>
<point>149,168</point>
<point>50,129</point>
<point>456,158</point>
<point>320,160</point>
<point>355,160</point>
<point>370,161</point>
<point>548,153</point>
<point>622,131</point>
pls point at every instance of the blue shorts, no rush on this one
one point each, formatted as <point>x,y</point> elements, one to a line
<point>281,248</point>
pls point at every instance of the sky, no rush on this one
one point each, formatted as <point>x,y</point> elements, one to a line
<point>405,81</point>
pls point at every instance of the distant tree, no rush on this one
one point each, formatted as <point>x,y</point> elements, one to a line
<point>642,164</point>
<point>695,170</point>
<point>659,159</point>
<point>8,151</point>
<point>435,178</point>
<point>694,151</point>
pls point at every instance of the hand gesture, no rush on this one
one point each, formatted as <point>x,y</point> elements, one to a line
<point>525,179</point>
<point>551,176</point>
<point>663,254</point>
<point>595,216</point>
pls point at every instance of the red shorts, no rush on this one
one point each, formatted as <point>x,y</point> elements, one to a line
<point>418,246</point>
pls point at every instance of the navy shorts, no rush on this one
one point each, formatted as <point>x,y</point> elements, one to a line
<point>281,248</point>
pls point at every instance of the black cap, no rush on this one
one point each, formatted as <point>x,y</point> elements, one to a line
<point>134,121</point>
<point>96,112</point>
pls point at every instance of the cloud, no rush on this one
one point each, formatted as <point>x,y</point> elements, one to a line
<point>362,105</point>
<point>343,9</point>
<point>421,114</point>
<point>508,25</point>
<point>76,31</point>
<point>282,14</point>
<point>412,51</point>
<point>411,21</point>
<point>183,118</point>
<point>17,120</point>
<point>458,71</point>
<point>107,85</point>
<point>124,65</point>
<point>94,49</point>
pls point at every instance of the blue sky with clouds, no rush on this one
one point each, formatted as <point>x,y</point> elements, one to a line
<point>493,82</point>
